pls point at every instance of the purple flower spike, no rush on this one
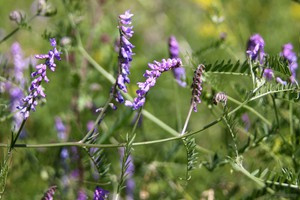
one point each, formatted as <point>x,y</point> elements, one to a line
<point>100,194</point>
<point>268,74</point>
<point>255,48</point>
<point>197,86</point>
<point>125,53</point>
<point>157,68</point>
<point>179,72</point>
<point>35,90</point>
<point>291,57</point>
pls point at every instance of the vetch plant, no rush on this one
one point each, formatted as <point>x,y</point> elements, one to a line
<point>240,136</point>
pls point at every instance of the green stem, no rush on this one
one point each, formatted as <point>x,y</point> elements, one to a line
<point>99,118</point>
<point>80,144</point>
<point>15,30</point>
<point>187,120</point>
<point>14,139</point>
<point>248,108</point>
<point>252,73</point>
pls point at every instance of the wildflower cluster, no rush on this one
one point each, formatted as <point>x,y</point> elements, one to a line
<point>36,91</point>
<point>255,51</point>
<point>157,68</point>
<point>125,53</point>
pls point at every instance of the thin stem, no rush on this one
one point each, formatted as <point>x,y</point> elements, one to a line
<point>79,144</point>
<point>16,29</point>
<point>291,122</point>
<point>275,110</point>
<point>137,120</point>
<point>252,73</point>
<point>14,139</point>
<point>177,108</point>
<point>249,108</point>
<point>98,120</point>
<point>187,120</point>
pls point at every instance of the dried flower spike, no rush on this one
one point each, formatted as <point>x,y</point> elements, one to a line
<point>49,194</point>
<point>196,86</point>
<point>157,68</point>
<point>179,72</point>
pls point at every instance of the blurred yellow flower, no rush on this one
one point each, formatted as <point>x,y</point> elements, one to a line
<point>205,4</point>
<point>295,10</point>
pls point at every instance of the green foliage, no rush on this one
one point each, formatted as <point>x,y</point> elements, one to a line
<point>191,154</point>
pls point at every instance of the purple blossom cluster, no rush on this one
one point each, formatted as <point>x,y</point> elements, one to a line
<point>100,194</point>
<point>179,72</point>
<point>35,90</point>
<point>156,69</point>
<point>125,53</point>
<point>255,48</point>
<point>291,57</point>
<point>197,86</point>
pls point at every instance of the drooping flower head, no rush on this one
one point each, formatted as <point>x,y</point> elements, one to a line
<point>255,48</point>
<point>35,90</point>
<point>291,57</point>
<point>125,52</point>
<point>179,72</point>
<point>220,97</point>
<point>156,69</point>
<point>100,194</point>
<point>197,86</point>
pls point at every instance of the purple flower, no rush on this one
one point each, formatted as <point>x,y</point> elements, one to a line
<point>179,72</point>
<point>268,74</point>
<point>291,57</point>
<point>100,194</point>
<point>35,90</point>
<point>61,129</point>
<point>255,48</point>
<point>125,53</point>
<point>279,80</point>
<point>156,69</point>
<point>82,195</point>
<point>197,86</point>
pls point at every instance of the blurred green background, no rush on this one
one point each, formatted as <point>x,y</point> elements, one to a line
<point>76,89</point>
